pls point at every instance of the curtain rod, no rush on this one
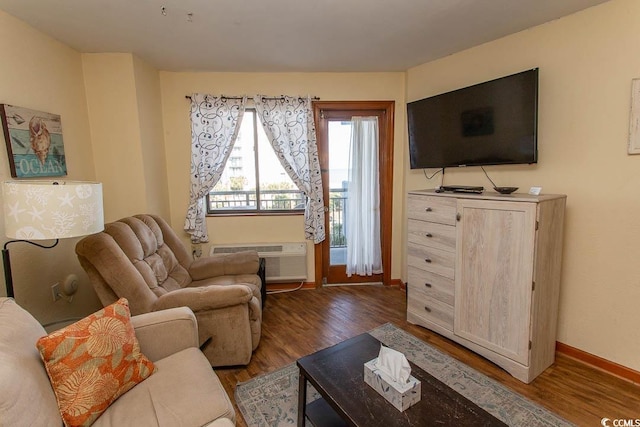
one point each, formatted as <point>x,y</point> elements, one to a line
<point>315,98</point>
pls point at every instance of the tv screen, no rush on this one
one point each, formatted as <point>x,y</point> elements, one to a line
<point>491,123</point>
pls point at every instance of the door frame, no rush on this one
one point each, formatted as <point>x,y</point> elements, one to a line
<point>386,128</point>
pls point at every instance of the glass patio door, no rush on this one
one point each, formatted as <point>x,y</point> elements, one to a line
<point>338,175</point>
<point>334,133</point>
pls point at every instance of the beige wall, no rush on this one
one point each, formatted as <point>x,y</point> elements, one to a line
<point>587,62</point>
<point>149,101</point>
<point>115,132</point>
<point>39,73</point>
<point>327,86</point>
<point>123,98</point>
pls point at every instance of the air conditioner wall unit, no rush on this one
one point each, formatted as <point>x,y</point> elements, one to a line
<point>284,262</point>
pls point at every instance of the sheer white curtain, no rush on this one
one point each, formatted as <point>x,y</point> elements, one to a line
<point>214,128</point>
<point>288,123</point>
<point>362,227</point>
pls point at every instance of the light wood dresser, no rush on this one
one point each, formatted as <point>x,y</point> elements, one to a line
<point>484,270</point>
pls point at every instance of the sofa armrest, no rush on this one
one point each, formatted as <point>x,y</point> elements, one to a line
<point>245,262</point>
<point>165,332</point>
<point>205,298</point>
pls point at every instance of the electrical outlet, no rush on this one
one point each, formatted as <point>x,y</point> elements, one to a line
<point>196,251</point>
<point>55,291</point>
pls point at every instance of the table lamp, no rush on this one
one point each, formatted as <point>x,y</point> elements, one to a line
<point>47,210</point>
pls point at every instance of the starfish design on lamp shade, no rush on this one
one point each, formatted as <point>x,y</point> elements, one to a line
<point>15,211</point>
<point>35,213</point>
<point>66,200</point>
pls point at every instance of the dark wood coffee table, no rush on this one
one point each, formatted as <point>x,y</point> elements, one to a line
<point>337,373</point>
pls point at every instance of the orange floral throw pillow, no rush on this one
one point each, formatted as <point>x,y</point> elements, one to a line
<point>93,362</point>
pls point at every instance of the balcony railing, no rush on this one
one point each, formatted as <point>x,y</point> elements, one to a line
<point>283,200</point>
<point>270,200</point>
<point>337,211</point>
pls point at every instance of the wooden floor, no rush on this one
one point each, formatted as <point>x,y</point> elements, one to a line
<point>299,323</point>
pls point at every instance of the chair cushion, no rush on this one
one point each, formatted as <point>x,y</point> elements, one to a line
<point>183,392</point>
<point>25,385</point>
<point>93,362</point>
<point>251,280</point>
<point>143,244</point>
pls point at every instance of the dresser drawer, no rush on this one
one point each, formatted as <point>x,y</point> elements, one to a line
<point>431,284</point>
<point>432,208</point>
<point>432,234</point>
<point>431,259</point>
<point>426,308</point>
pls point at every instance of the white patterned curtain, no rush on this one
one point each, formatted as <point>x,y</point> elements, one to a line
<point>362,227</point>
<point>215,122</point>
<point>288,123</point>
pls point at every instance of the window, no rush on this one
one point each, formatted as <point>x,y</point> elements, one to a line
<point>253,180</point>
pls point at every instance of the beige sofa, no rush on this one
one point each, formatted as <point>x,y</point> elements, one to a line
<point>142,259</point>
<point>184,391</point>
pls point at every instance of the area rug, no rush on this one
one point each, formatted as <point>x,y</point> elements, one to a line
<point>272,399</point>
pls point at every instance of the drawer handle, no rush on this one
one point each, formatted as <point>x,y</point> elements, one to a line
<point>428,285</point>
<point>429,235</point>
<point>428,260</point>
<point>428,210</point>
<point>427,309</point>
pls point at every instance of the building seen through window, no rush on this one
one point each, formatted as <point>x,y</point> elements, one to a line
<point>253,179</point>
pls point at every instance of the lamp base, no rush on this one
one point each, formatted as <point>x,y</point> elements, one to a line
<point>8,280</point>
<point>6,262</point>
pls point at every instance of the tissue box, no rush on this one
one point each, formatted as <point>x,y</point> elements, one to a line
<point>402,396</point>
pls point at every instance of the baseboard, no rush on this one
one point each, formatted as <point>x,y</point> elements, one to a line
<point>312,285</point>
<point>397,282</point>
<point>598,362</point>
<point>289,286</point>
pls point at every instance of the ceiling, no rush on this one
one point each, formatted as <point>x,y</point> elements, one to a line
<point>285,35</point>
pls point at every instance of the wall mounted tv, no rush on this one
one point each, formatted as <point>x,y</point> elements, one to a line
<point>491,123</point>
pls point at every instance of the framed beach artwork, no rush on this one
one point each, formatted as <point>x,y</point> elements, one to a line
<point>34,142</point>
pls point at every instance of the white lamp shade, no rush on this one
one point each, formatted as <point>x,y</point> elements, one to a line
<point>40,210</point>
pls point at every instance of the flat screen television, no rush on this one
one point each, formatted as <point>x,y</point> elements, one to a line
<point>490,123</point>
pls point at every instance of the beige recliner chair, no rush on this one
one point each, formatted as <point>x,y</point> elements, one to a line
<point>142,259</point>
